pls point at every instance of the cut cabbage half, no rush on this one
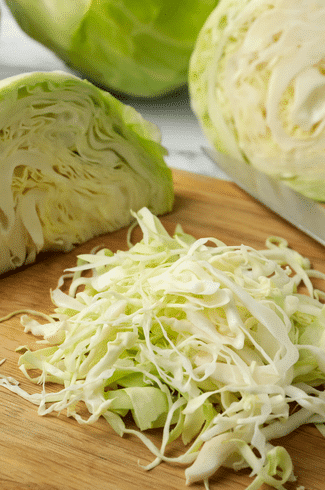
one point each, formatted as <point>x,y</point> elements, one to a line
<point>74,161</point>
<point>257,83</point>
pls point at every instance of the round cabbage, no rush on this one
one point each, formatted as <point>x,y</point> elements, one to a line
<point>138,47</point>
<point>74,162</point>
<point>257,85</point>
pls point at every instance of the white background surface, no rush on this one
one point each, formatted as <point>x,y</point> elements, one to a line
<point>181,133</point>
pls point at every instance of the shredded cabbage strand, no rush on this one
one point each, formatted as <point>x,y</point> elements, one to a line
<point>216,344</point>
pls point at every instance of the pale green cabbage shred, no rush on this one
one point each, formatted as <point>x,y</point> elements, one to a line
<point>257,85</point>
<point>214,343</point>
<point>73,161</point>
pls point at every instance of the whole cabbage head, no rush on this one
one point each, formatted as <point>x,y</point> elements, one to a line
<point>257,85</point>
<point>74,162</point>
<point>138,47</point>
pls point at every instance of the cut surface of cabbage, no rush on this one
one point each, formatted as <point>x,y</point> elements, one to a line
<point>213,343</point>
<point>257,84</point>
<point>73,161</point>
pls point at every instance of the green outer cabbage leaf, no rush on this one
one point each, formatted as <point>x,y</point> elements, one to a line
<point>74,161</point>
<point>141,48</point>
<point>213,343</point>
<point>257,86</point>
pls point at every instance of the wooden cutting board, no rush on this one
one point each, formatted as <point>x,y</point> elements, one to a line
<point>56,453</point>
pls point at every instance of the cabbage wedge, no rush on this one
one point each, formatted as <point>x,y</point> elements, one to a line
<point>74,161</point>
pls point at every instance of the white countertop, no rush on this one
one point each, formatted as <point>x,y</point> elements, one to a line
<point>181,133</point>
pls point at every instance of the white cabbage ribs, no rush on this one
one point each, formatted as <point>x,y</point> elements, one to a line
<point>74,161</point>
<point>257,83</point>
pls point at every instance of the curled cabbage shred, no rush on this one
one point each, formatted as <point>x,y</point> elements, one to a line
<point>257,84</point>
<point>73,161</point>
<point>215,344</point>
<point>141,48</point>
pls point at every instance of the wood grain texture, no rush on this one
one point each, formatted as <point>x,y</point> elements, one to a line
<point>56,453</point>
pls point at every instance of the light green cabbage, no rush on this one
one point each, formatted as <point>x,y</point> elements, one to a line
<point>213,343</point>
<point>257,84</point>
<point>73,162</point>
<point>139,47</point>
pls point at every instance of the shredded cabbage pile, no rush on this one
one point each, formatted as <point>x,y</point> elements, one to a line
<point>213,343</point>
